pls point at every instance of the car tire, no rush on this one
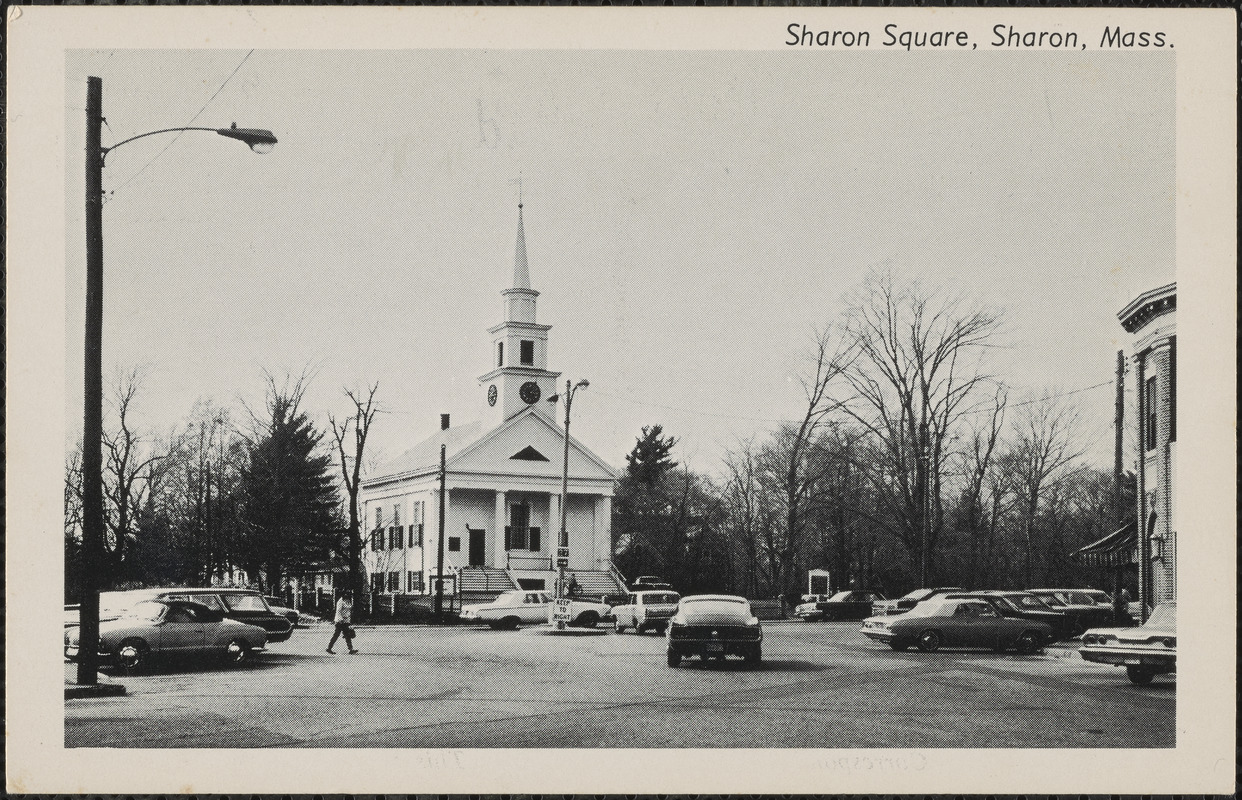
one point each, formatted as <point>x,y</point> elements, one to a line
<point>510,623</point>
<point>900,647</point>
<point>618,627</point>
<point>674,658</point>
<point>133,655</point>
<point>929,641</point>
<point>754,656</point>
<point>238,652</point>
<point>1077,629</point>
<point>1139,676</point>
<point>588,619</point>
<point>639,628</point>
<point>1029,642</point>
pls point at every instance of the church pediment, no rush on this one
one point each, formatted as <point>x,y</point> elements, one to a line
<point>529,444</point>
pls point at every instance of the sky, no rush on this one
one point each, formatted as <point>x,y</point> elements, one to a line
<point>691,218</point>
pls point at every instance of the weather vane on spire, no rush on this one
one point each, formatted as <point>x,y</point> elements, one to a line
<point>518,181</point>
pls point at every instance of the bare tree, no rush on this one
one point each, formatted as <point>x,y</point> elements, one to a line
<point>359,424</point>
<point>916,367</point>
<point>976,510</point>
<point>128,462</point>
<point>744,508</point>
<point>790,466</point>
<point>1046,449</point>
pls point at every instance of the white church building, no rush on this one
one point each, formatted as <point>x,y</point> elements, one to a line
<point>503,498</point>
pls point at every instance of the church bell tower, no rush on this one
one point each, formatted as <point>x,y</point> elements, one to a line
<point>519,377</point>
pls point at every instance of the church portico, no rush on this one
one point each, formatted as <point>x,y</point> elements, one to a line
<point>503,477</point>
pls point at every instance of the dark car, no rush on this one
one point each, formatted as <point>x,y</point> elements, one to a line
<point>908,601</point>
<point>853,604</point>
<point>1082,607</point>
<point>243,605</point>
<point>163,628</point>
<point>1024,605</point>
<point>278,606</point>
<point>714,626</point>
<point>942,622</point>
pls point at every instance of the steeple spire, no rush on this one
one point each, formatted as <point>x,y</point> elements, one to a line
<point>521,271</point>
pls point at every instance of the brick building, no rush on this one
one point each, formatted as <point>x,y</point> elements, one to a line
<point>1151,318</point>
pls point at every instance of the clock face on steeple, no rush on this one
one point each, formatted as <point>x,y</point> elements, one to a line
<point>491,395</point>
<point>529,392</point>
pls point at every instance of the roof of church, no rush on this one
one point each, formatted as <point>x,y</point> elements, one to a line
<point>426,454</point>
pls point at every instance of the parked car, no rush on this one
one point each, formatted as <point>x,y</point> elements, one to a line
<point>1079,606</point>
<point>278,607</point>
<point>510,609</point>
<point>645,611</point>
<point>525,607</point>
<point>160,628</point>
<point>853,604</point>
<point>1024,605</point>
<point>1145,651</point>
<point>242,605</point>
<point>908,601</point>
<point>714,626</point>
<point>942,622</point>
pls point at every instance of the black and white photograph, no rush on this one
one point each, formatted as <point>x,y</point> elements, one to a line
<point>572,400</point>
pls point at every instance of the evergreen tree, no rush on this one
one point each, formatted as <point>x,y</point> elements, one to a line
<point>291,508</point>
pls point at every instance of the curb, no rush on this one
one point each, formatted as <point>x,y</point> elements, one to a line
<point>76,691</point>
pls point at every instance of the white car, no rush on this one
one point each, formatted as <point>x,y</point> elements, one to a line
<point>526,607</point>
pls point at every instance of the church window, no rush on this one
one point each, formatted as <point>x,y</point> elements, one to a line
<point>396,515</point>
<point>454,544</point>
<point>528,352</point>
<point>528,453</point>
<point>413,581</point>
<point>500,354</point>
<point>394,581</point>
<point>377,582</point>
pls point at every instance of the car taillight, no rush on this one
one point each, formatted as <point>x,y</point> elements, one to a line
<point>1169,641</point>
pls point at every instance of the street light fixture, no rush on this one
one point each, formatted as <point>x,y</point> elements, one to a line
<point>562,551</point>
<point>260,141</point>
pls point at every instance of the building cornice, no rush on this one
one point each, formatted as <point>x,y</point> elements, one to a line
<point>1147,306</point>
<point>523,326</point>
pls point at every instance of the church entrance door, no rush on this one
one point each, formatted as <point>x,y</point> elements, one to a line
<point>478,550</point>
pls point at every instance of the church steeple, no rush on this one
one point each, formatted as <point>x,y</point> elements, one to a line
<point>521,270</point>
<point>519,378</point>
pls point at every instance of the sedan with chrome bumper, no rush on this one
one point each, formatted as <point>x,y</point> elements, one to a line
<point>164,628</point>
<point>1145,651</point>
<point>937,623</point>
<point>714,626</point>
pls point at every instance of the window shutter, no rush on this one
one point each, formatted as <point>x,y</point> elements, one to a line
<point>534,540</point>
<point>508,537</point>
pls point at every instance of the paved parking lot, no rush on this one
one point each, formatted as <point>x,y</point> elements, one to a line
<point>821,685</point>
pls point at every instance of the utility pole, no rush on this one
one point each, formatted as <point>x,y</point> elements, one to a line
<point>440,558</point>
<point>92,390</point>
<point>924,458</point>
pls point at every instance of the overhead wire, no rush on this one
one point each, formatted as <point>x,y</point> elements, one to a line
<point>179,133</point>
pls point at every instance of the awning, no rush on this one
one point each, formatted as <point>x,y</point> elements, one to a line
<point>1116,549</point>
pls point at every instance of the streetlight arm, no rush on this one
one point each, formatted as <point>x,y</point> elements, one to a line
<point>259,140</point>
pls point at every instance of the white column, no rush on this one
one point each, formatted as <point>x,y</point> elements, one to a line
<point>603,531</point>
<point>497,558</point>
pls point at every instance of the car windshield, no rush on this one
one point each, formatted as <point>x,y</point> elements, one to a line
<point>716,605</point>
<point>1165,616</point>
<point>917,594</point>
<point>245,602</point>
<point>1028,601</point>
<point>1077,598</point>
<point>1051,599</point>
<point>661,599</point>
<point>840,597</point>
<point>117,603</point>
<point>146,611</point>
<point>510,597</point>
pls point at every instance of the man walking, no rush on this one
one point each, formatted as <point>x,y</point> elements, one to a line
<point>344,615</point>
